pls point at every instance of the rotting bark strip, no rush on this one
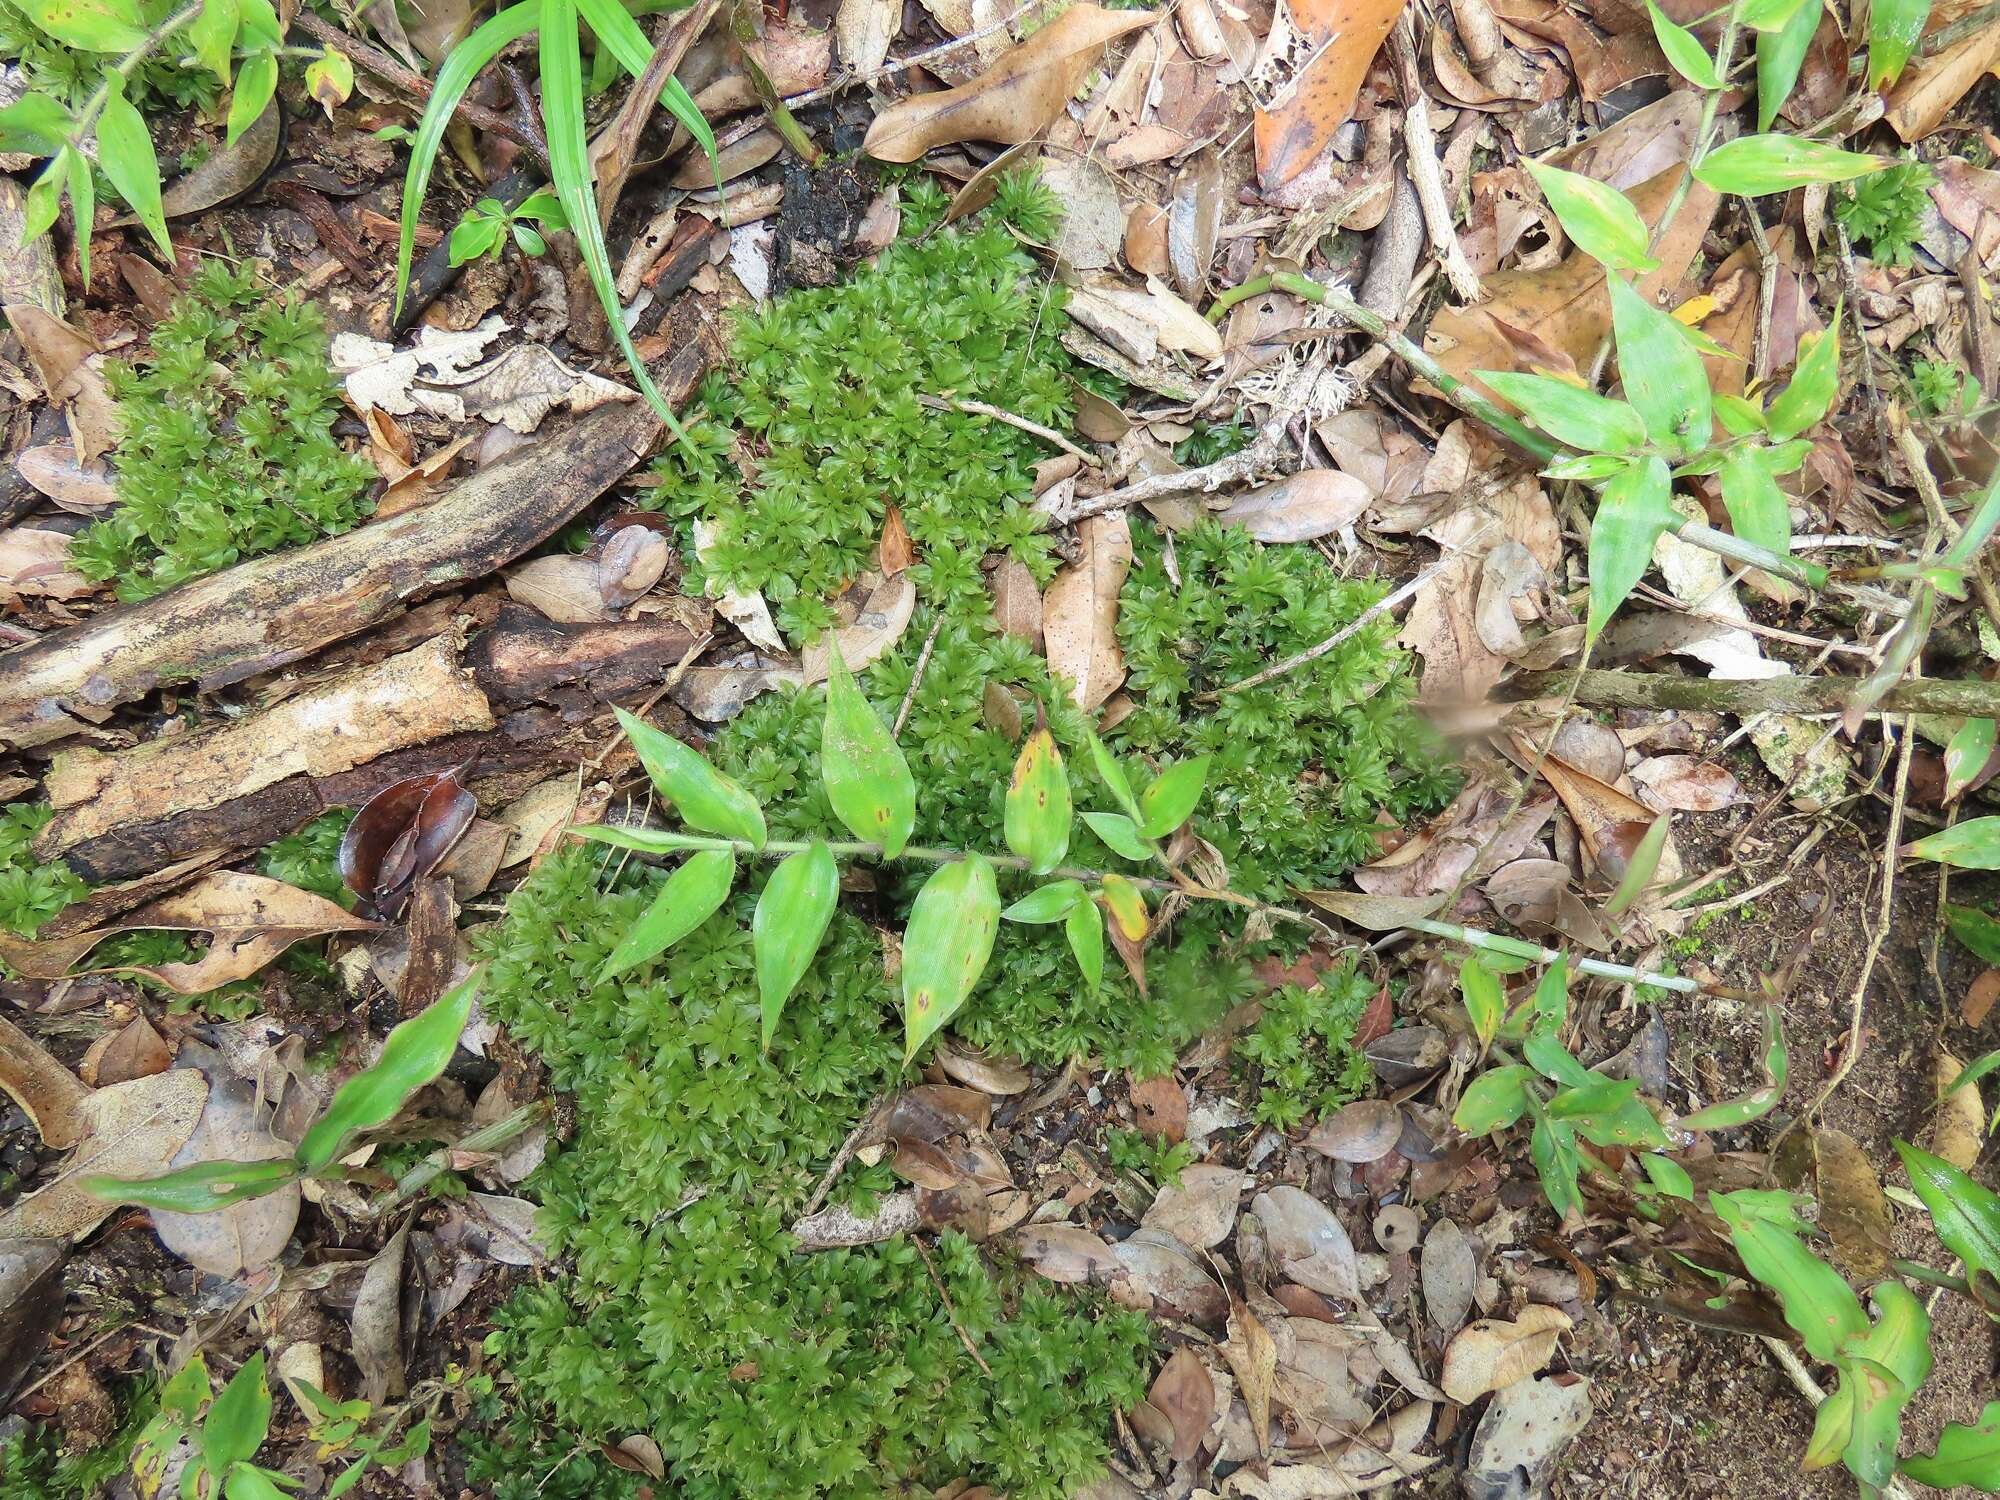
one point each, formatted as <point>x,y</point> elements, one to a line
<point>273,610</point>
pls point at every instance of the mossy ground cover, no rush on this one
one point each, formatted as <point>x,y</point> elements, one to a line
<point>684,1309</point>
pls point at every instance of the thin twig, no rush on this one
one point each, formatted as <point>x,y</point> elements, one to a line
<point>1359,623</point>
<point>1244,464</point>
<point>868,1122</point>
<point>1035,429</point>
<point>1783,695</point>
<point>1421,160</point>
<point>408,81</point>
<point>950,1311</point>
<point>914,60</point>
<point>917,677</point>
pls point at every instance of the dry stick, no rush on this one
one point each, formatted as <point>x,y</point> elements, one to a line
<point>418,87</point>
<point>915,59</point>
<point>1359,623</point>
<point>917,677</point>
<point>1781,695</point>
<point>1205,480</point>
<point>1421,158</point>
<point>950,1312</point>
<point>981,409</point>
<point>877,1112</point>
<point>1885,918</point>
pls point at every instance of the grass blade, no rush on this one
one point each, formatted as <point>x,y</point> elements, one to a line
<point>461,65</point>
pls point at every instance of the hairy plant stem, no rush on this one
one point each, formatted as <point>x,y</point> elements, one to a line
<point>660,841</point>
<point>1468,400</point>
<point>127,65</point>
<point>487,1138</point>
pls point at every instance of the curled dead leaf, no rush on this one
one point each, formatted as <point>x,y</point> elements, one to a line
<point>1492,1354</point>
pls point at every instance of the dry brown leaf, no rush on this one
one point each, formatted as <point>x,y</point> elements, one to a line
<point>1450,1273</point>
<point>1853,1209</point>
<point>1080,610</point>
<point>1253,1356</point>
<point>1156,1272</point>
<point>883,617</point>
<point>135,1050</point>
<point>895,551</point>
<point>1524,1432</point>
<point>55,470</point>
<point>1492,1354</point>
<point>1184,1393</point>
<point>1307,1242</point>
<point>863,30</point>
<point>1364,1131</point>
<point>1566,304</point>
<point>1065,1253</point>
<point>1968,199</point>
<point>1960,1129</point>
<point>1201,1210</point>
<point>1017,602</point>
<point>34,561</point>
<point>1980,996</point>
<point>226,173</point>
<point>985,1071</point>
<point>1160,1108</point>
<point>378,1322</point>
<point>1611,822</point>
<point>133,1130</point>
<point>1931,87</point>
<point>1686,783</point>
<point>1443,625</point>
<point>42,1086</point>
<point>1341,38</point>
<point>1021,93</point>
<point>235,1126</point>
<point>252,918</point>
<point>72,374</point>
<point>1312,503</point>
<point>561,586</point>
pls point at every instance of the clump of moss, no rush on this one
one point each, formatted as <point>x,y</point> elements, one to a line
<point>33,1465</point>
<point>72,75</point>
<point>1885,211</point>
<point>31,891</point>
<point>309,857</point>
<point>798,462</point>
<point>1305,765</point>
<point>1300,1058</point>
<point>689,1316</point>
<point>227,451</point>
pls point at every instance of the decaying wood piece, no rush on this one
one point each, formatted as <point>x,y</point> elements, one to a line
<point>524,656</point>
<point>1783,695</point>
<point>276,609</point>
<point>409,699</point>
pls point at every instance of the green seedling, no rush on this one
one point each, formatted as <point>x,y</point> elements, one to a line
<point>31,890</point>
<point>415,1053</point>
<point>1884,214</point>
<point>221,1431</point>
<point>490,224</point>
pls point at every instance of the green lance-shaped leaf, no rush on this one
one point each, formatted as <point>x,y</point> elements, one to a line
<point>1552,1148</point>
<point>1965,1456</point>
<point>89,25</point>
<point>44,203</point>
<point>34,125</point>
<point>1684,50</point>
<point>1494,1100</point>
<point>1758,510</point>
<point>1752,166</point>
<point>1815,384</point>
<point>212,34</point>
<point>1739,416</point>
<point>688,899</point>
<point>461,65</point>
<point>246,1483</point>
<point>1731,1113</point>
<point>704,797</point>
<point>623,37</point>
<point>1171,798</point>
<point>1668,1175</point>
<point>1979,932</point>
<point>1971,746</point>
<point>1780,55</point>
<point>867,780</point>
<point>1967,1216</point>
<point>1116,782</point>
<point>1119,833</point>
<point>1549,1057</point>
<point>792,913</point>
<point>1127,905</point>
<point>415,1053</point>
<point>239,1418</point>
<point>1084,927</point>
<point>1570,414</point>
<point>946,945</point>
<point>1767,15</point>
<point>1485,1001</point>
<point>1599,219</point>
<point>1632,510</point>
<point>256,82</point>
<point>1662,372</point>
<point>1047,903</point>
<point>1971,1073</point>
<point>1609,1112</point>
<point>1894,28</point>
<point>1971,845</point>
<point>1817,1302</point>
<point>569,165</point>
<point>125,152</point>
<point>202,1188</point>
<point>1641,868</point>
<point>1038,804</point>
<point>1884,1368</point>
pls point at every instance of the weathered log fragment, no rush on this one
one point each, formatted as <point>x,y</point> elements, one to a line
<point>272,610</point>
<point>523,657</point>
